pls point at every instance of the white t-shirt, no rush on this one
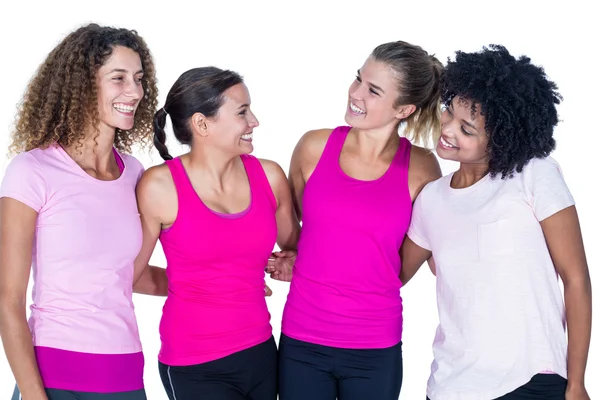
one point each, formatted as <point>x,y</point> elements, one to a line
<point>501,311</point>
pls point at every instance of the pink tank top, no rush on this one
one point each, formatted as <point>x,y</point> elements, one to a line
<point>215,266</point>
<point>345,291</point>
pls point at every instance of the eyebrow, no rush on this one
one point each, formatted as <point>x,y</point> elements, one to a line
<point>243,106</point>
<point>124,71</point>
<point>373,86</point>
<point>464,120</point>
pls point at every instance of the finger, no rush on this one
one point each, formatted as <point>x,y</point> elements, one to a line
<point>268,291</point>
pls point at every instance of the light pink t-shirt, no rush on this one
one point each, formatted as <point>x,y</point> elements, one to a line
<point>502,316</point>
<point>87,237</point>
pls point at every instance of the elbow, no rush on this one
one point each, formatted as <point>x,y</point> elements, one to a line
<point>581,284</point>
<point>11,313</point>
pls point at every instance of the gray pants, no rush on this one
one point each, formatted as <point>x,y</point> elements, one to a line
<point>55,394</point>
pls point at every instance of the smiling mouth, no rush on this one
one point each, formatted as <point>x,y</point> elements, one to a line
<point>247,137</point>
<point>124,108</point>
<point>357,110</point>
<point>447,144</point>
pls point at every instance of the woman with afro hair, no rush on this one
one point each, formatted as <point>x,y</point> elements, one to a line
<point>501,229</point>
<point>68,211</point>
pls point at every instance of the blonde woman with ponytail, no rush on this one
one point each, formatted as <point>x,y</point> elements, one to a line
<point>353,187</point>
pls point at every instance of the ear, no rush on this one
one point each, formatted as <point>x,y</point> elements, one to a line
<point>405,111</point>
<point>199,124</point>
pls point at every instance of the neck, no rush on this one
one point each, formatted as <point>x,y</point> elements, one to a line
<point>375,142</point>
<point>214,166</point>
<point>95,151</point>
<point>468,174</point>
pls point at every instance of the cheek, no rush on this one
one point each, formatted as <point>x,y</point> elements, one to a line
<point>474,148</point>
<point>353,87</point>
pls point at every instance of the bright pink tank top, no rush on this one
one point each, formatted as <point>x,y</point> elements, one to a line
<point>346,289</point>
<point>215,266</point>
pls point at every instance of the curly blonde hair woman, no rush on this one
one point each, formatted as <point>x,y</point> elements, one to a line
<point>68,210</point>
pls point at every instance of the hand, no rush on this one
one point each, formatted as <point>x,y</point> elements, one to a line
<point>576,392</point>
<point>281,265</point>
<point>268,291</point>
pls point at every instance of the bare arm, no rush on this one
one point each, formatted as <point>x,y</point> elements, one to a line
<point>305,157</point>
<point>288,227</point>
<point>424,168</point>
<point>155,204</point>
<point>412,256</point>
<point>17,229</point>
<point>563,237</point>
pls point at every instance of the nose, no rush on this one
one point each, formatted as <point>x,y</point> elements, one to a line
<point>446,122</point>
<point>253,121</point>
<point>355,92</point>
<point>134,89</point>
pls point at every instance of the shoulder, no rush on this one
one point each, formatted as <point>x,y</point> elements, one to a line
<point>425,160</point>
<point>130,160</point>
<point>538,170</point>
<point>275,175</point>
<point>27,162</point>
<point>424,167</point>
<point>541,165</point>
<point>155,182</point>
<point>314,141</point>
<point>132,163</point>
<point>271,168</point>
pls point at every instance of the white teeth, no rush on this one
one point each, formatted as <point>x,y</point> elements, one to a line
<point>247,136</point>
<point>123,107</point>
<point>356,109</point>
<point>445,143</point>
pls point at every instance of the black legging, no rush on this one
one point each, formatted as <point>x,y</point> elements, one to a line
<point>249,374</point>
<point>540,387</point>
<point>56,394</point>
<point>315,372</point>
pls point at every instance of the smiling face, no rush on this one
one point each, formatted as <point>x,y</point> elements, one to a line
<point>463,138</point>
<point>372,97</point>
<point>232,128</point>
<point>120,89</point>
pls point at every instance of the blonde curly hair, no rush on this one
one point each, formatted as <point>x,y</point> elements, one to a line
<point>61,101</point>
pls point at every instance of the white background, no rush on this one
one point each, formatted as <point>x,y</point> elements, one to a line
<point>298,60</point>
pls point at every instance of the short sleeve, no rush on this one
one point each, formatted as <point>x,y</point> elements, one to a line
<point>134,164</point>
<point>417,231</point>
<point>25,182</point>
<point>547,191</point>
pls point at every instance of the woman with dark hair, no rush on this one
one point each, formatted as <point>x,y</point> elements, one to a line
<point>500,229</point>
<point>68,208</point>
<point>218,212</point>
<point>353,187</point>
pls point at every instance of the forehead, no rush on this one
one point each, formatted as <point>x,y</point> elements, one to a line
<point>123,58</point>
<point>466,105</point>
<point>237,95</point>
<point>379,73</point>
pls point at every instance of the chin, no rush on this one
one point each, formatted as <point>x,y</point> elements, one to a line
<point>444,154</point>
<point>247,148</point>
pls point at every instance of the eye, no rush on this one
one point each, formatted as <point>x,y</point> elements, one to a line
<point>358,78</point>
<point>118,78</point>
<point>374,92</point>
<point>465,132</point>
<point>243,112</point>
